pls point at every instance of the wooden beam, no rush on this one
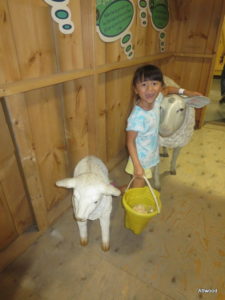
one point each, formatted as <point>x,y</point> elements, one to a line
<point>19,120</point>
<point>37,83</point>
<point>132,62</point>
<point>194,55</point>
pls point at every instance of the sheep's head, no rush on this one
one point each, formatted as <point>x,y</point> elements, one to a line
<point>88,192</point>
<point>172,114</point>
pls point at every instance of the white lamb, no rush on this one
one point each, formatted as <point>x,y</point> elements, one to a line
<point>177,120</point>
<point>92,196</point>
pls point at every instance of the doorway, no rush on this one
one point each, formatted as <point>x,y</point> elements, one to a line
<point>216,110</point>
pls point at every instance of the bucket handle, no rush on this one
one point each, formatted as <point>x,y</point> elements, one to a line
<point>151,189</point>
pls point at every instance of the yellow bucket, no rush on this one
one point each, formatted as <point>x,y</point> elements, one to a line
<point>147,197</point>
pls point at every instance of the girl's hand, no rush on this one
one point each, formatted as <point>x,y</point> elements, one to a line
<point>139,172</point>
<point>138,180</point>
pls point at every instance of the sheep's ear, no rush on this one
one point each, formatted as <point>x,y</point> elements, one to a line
<point>67,183</point>
<point>197,101</point>
<point>111,190</point>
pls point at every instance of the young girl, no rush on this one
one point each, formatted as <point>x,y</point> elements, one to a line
<point>143,122</point>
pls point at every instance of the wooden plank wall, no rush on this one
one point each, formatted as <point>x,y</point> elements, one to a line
<point>198,27</point>
<point>67,96</point>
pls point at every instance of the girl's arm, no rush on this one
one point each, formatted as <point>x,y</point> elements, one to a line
<point>174,90</point>
<point>131,145</point>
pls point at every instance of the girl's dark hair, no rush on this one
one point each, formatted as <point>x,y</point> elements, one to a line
<point>148,72</point>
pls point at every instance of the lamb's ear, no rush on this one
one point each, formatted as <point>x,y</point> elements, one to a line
<point>197,101</point>
<point>67,183</point>
<point>111,190</point>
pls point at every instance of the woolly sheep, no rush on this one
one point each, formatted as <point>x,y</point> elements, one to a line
<point>92,196</point>
<point>177,120</point>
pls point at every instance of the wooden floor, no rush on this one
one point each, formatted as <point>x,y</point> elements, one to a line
<point>179,256</point>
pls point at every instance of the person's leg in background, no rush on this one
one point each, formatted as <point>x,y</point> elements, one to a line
<point>222,86</point>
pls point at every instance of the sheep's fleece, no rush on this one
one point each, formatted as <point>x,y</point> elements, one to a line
<point>182,136</point>
<point>92,196</point>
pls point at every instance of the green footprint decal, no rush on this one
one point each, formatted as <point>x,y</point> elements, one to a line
<point>113,21</point>
<point>159,12</point>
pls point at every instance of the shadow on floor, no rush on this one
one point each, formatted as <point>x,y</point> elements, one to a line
<point>179,256</point>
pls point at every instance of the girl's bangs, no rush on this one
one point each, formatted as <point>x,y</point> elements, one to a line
<point>151,75</point>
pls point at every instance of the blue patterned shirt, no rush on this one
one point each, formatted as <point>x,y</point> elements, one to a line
<point>146,123</point>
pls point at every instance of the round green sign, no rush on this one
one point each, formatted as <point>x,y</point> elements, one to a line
<point>115,18</point>
<point>159,13</point>
<point>160,17</point>
<point>162,35</point>
<point>143,3</point>
<point>126,38</point>
<point>62,14</point>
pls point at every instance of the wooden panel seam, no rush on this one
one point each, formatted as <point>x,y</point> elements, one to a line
<point>19,121</point>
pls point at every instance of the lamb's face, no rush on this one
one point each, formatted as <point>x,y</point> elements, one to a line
<point>86,200</point>
<point>88,193</point>
<point>172,114</point>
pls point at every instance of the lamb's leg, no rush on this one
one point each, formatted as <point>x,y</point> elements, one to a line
<point>83,232</point>
<point>156,180</point>
<point>164,152</point>
<point>176,152</point>
<point>105,224</point>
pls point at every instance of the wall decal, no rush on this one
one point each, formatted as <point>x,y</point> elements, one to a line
<point>113,21</point>
<point>61,14</point>
<point>143,12</point>
<point>159,13</point>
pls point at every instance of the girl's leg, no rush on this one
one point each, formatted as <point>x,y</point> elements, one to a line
<point>156,178</point>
